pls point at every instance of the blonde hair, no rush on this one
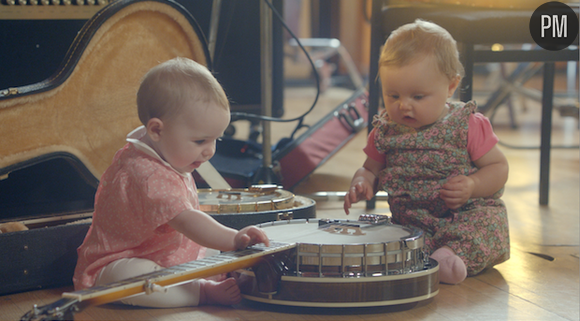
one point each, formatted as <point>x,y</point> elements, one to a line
<point>419,39</point>
<point>170,86</point>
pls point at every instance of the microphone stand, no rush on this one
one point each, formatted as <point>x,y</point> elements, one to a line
<point>265,174</point>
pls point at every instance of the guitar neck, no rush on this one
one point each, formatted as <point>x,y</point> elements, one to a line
<point>213,265</point>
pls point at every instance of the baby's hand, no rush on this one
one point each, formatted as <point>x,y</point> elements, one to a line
<point>457,191</point>
<point>249,236</point>
<point>358,191</point>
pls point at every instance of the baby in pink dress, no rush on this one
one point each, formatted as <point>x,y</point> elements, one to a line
<point>147,213</point>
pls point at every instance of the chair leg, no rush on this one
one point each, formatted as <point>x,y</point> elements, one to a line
<point>508,100</point>
<point>546,131</point>
<point>466,57</point>
<point>374,90</point>
<point>502,95</point>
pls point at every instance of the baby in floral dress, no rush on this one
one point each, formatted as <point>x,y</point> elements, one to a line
<point>147,213</point>
<point>438,161</point>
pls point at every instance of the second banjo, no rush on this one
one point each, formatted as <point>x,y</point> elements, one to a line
<point>240,207</point>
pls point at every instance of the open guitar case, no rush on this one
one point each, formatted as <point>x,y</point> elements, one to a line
<point>293,159</point>
<point>60,134</point>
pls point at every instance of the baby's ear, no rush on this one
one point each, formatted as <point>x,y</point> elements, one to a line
<point>154,128</point>
<point>453,84</point>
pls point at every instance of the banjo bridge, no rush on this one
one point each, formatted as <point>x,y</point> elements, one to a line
<point>342,227</point>
<point>345,229</point>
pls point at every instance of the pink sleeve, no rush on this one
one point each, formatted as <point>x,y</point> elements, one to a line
<point>371,150</point>
<point>480,136</point>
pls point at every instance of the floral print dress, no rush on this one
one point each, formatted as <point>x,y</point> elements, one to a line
<point>418,163</point>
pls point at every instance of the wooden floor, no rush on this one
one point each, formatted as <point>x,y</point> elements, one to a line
<point>539,282</point>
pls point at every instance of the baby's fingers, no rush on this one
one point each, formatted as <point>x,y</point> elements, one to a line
<point>350,198</point>
<point>362,192</point>
<point>249,236</point>
<point>258,236</point>
<point>346,205</point>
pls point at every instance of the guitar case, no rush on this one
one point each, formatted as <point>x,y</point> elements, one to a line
<point>293,159</point>
<point>300,157</point>
<point>67,128</point>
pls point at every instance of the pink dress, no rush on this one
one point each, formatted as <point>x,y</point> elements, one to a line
<point>137,195</point>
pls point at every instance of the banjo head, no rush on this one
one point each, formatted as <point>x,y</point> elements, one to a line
<point>342,263</point>
<point>344,248</point>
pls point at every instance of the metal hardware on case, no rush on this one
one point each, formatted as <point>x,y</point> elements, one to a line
<point>350,117</point>
<point>285,216</point>
<point>10,92</point>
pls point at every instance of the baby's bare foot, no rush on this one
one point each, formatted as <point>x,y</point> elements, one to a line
<point>225,292</point>
<point>452,270</point>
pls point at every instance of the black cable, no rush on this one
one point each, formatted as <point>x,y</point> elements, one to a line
<point>245,116</point>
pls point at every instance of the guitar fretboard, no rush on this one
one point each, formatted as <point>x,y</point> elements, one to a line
<point>224,262</point>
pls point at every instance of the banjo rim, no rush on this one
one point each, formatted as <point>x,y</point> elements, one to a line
<point>427,280</point>
<point>280,200</point>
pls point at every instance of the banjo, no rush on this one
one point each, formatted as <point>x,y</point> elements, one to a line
<point>310,262</point>
<point>240,207</point>
<point>337,263</point>
<point>257,198</point>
